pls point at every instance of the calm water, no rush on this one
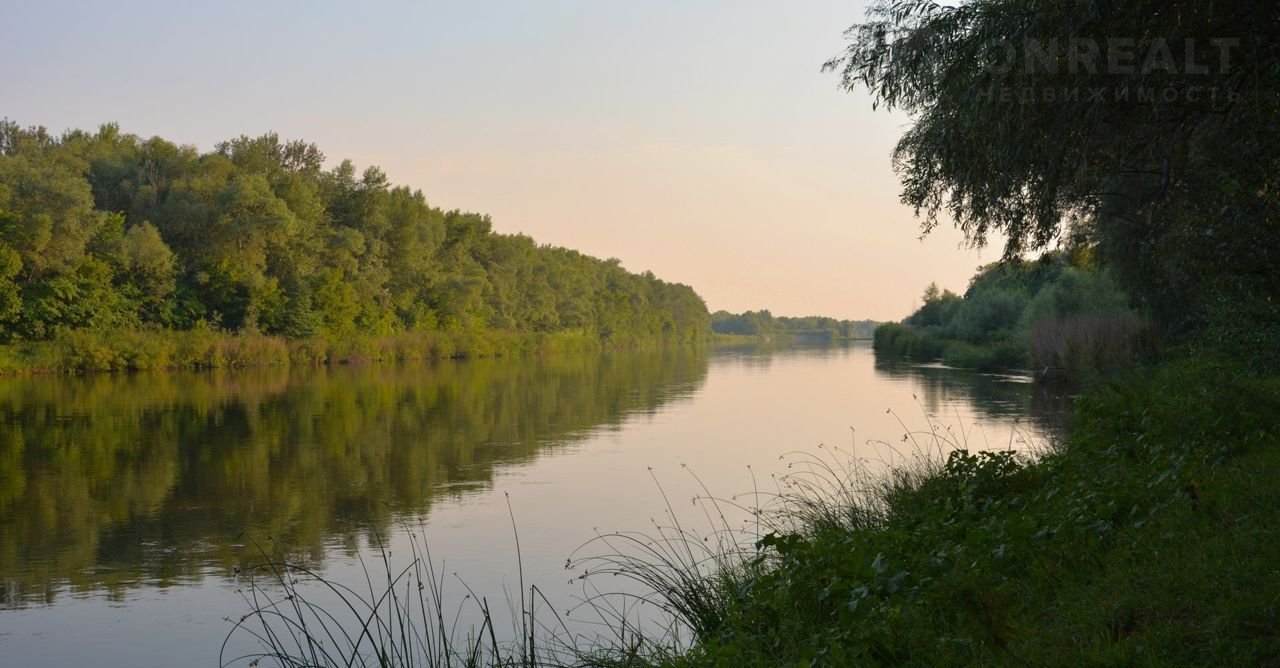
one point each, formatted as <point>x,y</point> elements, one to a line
<point>127,502</point>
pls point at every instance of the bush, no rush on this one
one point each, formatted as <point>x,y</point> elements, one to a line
<point>1077,292</point>
<point>993,357</point>
<point>313,351</point>
<point>988,315</point>
<point>882,339</point>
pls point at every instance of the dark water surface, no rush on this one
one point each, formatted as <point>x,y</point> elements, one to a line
<point>128,502</point>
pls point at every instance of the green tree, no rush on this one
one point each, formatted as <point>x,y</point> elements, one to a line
<point>1031,120</point>
<point>46,213</point>
<point>148,269</point>
<point>938,307</point>
<point>10,295</point>
<point>108,230</point>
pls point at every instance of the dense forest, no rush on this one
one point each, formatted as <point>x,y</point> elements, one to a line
<point>766,325</point>
<point>109,232</point>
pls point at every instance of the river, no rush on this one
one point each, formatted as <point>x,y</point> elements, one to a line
<point>128,503</point>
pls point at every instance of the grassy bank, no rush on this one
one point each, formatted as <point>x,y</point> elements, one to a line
<point>1146,539</point>
<point>145,349</point>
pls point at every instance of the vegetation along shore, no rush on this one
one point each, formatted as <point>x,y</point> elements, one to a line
<point>119,252</point>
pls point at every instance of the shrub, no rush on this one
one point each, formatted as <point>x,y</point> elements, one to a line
<point>144,350</point>
<point>988,315</point>
<point>882,339</point>
<point>1077,292</point>
<point>993,357</point>
<point>312,351</point>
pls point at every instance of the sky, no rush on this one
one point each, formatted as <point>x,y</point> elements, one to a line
<point>695,139</point>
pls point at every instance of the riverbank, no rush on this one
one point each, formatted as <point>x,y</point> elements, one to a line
<point>1146,538</point>
<point>147,349</point>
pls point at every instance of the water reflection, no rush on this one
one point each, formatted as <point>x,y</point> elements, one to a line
<point>111,482</point>
<point>1000,396</point>
<point>115,484</point>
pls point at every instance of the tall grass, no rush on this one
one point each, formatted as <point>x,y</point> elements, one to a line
<point>683,570</point>
<point>148,349</point>
<point>1090,345</point>
<point>403,617</point>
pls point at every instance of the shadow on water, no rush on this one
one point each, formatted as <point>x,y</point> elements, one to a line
<point>1008,396</point>
<point>112,482</point>
<point>762,355</point>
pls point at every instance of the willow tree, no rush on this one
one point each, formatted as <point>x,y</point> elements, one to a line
<point>1147,128</point>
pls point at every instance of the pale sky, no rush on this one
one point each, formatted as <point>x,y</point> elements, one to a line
<point>699,140</point>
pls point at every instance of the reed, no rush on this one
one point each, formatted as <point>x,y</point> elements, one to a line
<point>403,617</point>
<point>1090,345</point>
<point>77,351</point>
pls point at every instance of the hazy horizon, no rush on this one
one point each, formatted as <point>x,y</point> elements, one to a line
<point>701,143</point>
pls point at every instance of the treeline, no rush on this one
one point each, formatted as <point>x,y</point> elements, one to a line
<point>765,325</point>
<point>107,231</point>
<point>1059,313</point>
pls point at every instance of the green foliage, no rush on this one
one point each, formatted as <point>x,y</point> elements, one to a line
<point>1077,291</point>
<point>1142,129</point>
<point>110,232</point>
<point>1054,312</point>
<point>988,315</point>
<point>994,357</point>
<point>938,307</point>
